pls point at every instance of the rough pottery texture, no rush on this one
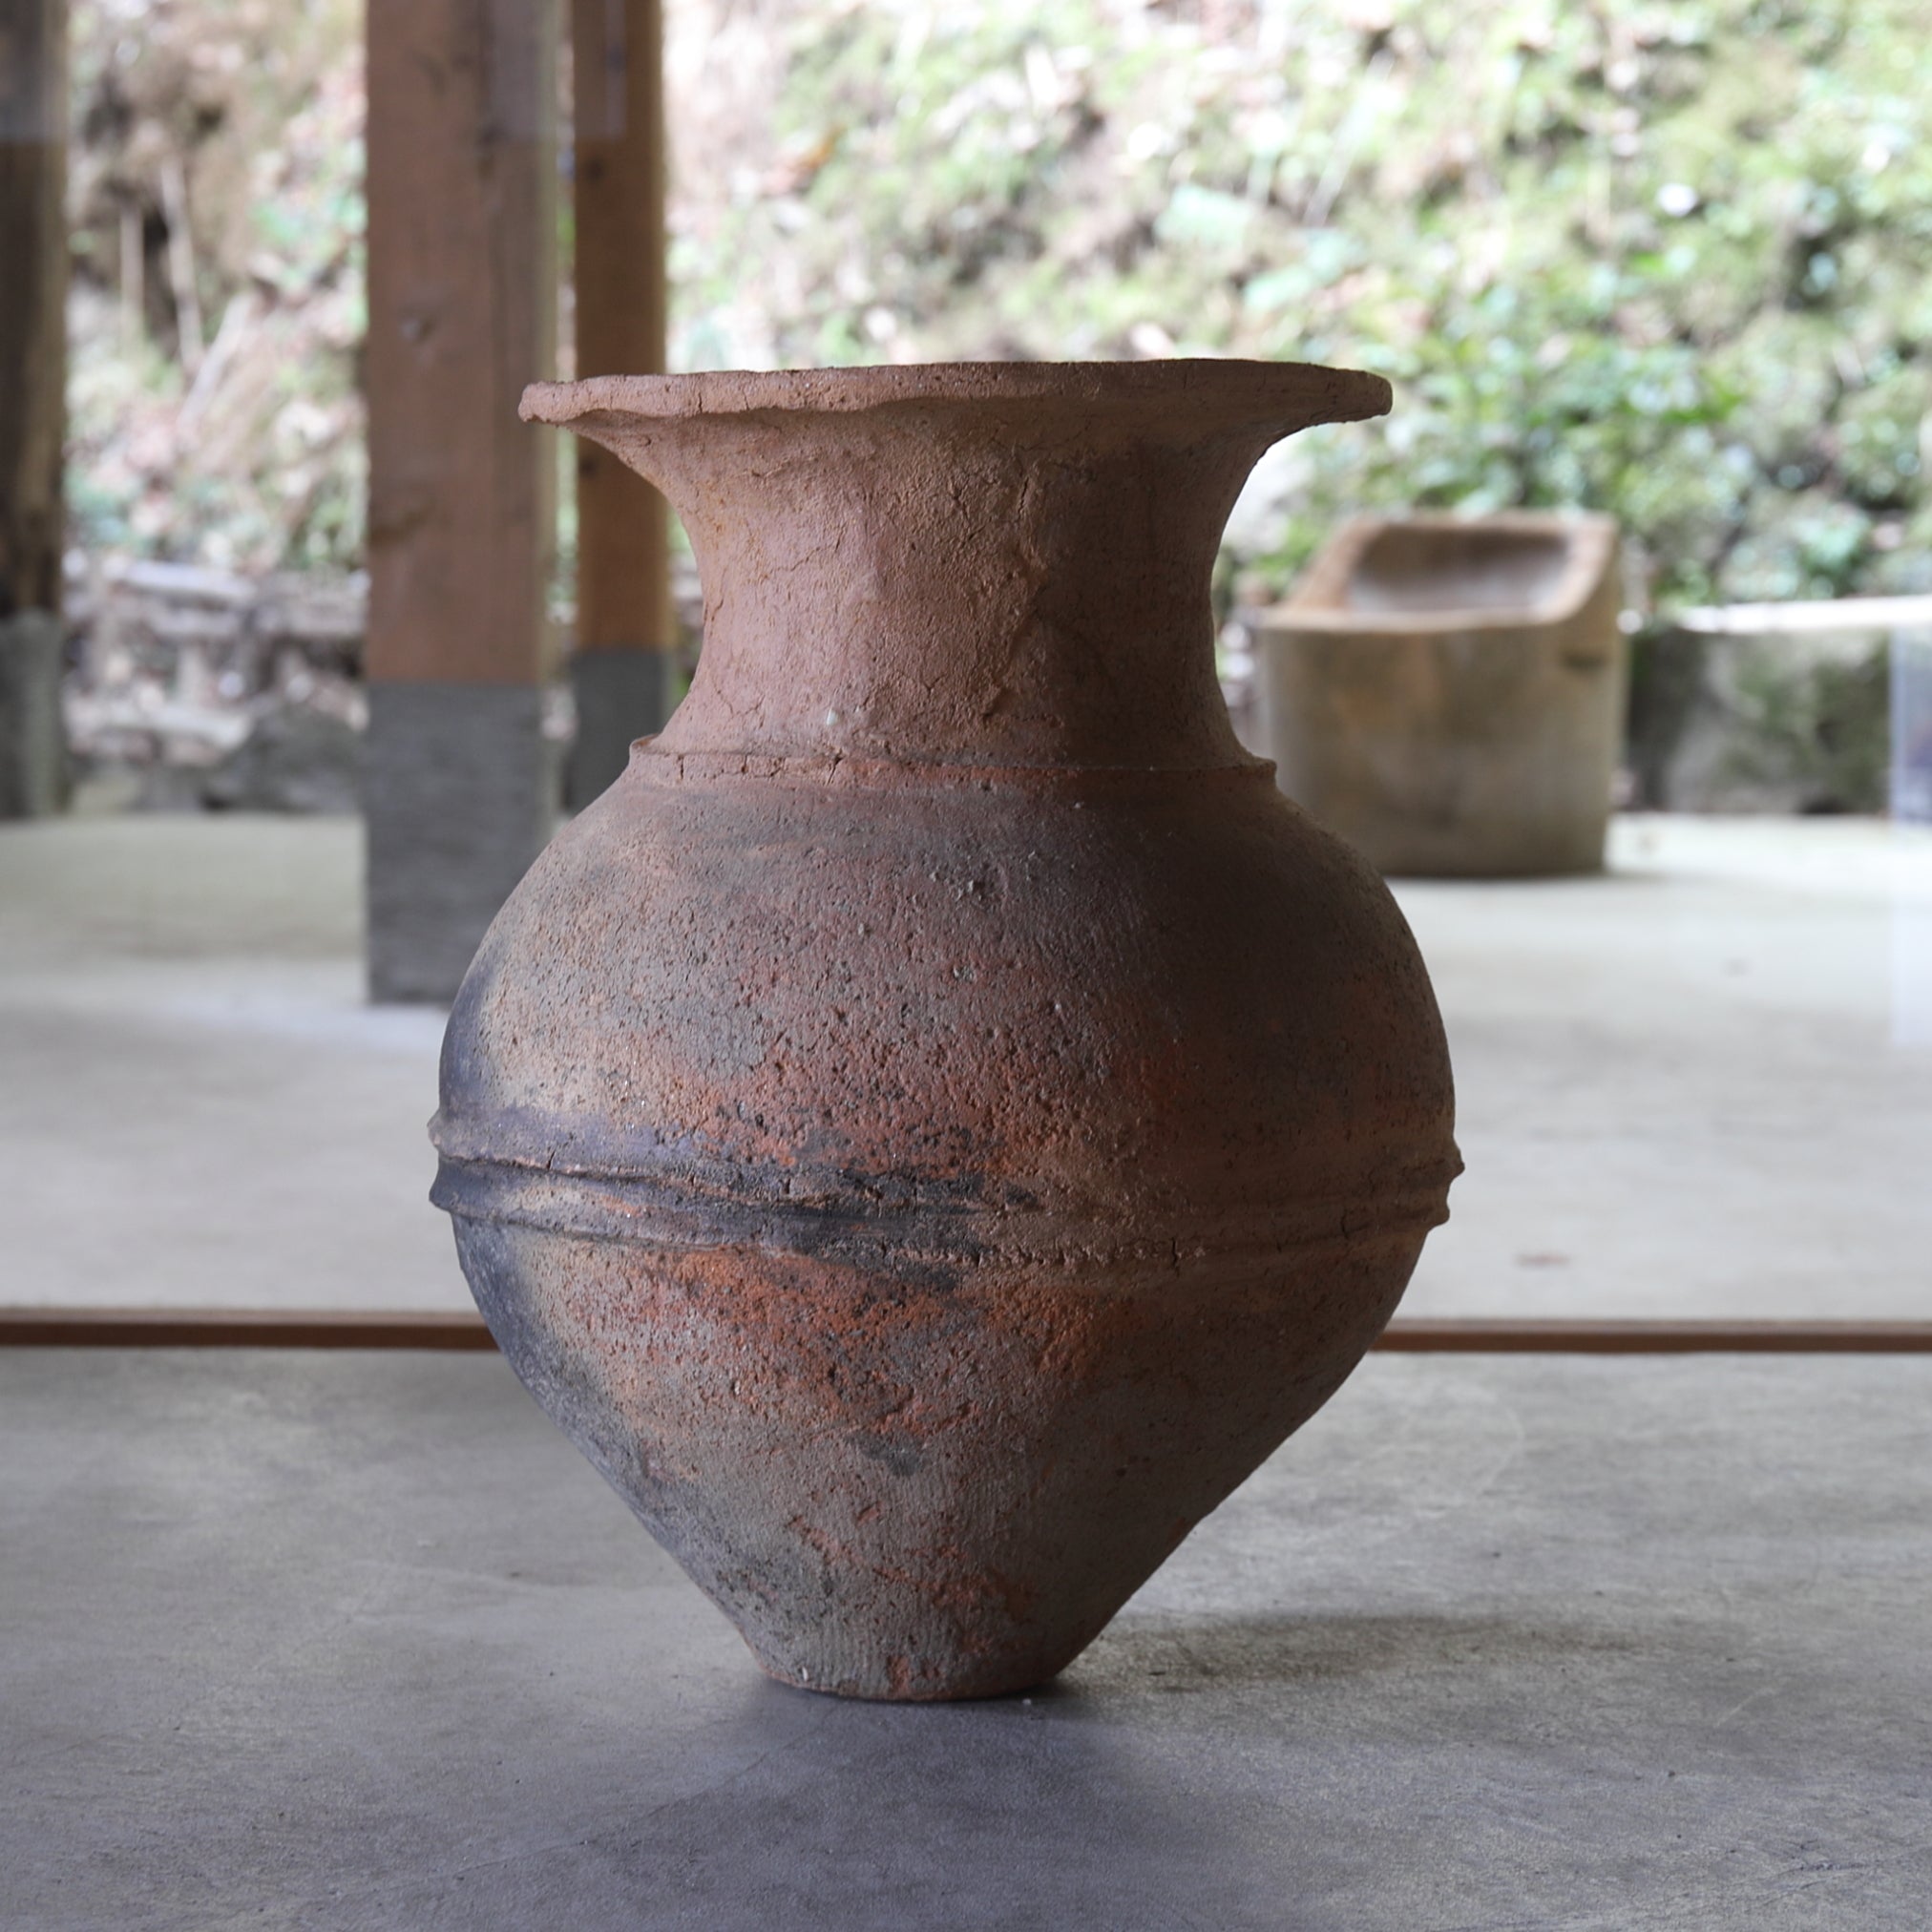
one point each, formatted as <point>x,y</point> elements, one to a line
<point>943,1117</point>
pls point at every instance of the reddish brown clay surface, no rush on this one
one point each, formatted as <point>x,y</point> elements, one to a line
<point>942,1118</point>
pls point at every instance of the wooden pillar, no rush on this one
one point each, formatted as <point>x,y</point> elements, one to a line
<point>32,411</point>
<point>622,671</point>
<point>460,788</point>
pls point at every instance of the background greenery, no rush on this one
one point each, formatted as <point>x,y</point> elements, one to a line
<point>1664,261</point>
<point>1669,260</point>
<point>216,200</point>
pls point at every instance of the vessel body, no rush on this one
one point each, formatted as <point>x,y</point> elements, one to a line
<point>924,1160</point>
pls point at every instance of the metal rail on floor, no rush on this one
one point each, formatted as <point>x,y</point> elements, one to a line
<point>204,1328</point>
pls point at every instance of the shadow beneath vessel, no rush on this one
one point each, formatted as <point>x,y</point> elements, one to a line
<point>1065,1808</point>
<point>1180,1653</point>
<point>1185,1771</point>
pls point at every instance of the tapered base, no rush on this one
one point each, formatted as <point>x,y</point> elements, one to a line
<point>921,1491</point>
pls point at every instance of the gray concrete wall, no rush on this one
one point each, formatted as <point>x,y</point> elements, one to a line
<point>34,769</point>
<point>621,695</point>
<point>459,796</point>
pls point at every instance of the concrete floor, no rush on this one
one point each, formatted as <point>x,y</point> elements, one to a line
<point>319,1641</point>
<point>1698,1087</point>
<point>1701,1086</point>
<point>209,1111</point>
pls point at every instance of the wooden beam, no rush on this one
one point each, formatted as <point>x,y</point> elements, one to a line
<point>221,1328</point>
<point>459,791</point>
<point>462,294</point>
<point>32,300</point>
<point>623,543</point>
<point>623,580</point>
<point>1421,1334</point>
<point>32,400</point>
<point>460,1328</point>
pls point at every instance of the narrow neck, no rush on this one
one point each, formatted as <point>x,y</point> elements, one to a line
<point>1002,565</point>
<point>928,591</point>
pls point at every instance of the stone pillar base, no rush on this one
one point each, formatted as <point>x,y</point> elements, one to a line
<point>33,774</point>
<point>459,796</point>
<point>620,694</point>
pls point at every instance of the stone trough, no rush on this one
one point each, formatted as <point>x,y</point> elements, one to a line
<point>1447,693</point>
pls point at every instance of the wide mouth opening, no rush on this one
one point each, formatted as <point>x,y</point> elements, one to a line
<point>1200,392</point>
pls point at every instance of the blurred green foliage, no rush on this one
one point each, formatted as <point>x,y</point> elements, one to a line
<point>1666,261</point>
<point>1663,260</point>
<point>216,218</point>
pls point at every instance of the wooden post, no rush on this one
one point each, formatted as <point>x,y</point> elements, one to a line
<point>622,670</point>
<point>460,788</point>
<point>32,411</point>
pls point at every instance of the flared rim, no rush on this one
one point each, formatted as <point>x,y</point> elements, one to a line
<point>1229,387</point>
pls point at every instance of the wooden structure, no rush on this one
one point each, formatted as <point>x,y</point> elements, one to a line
<point>459,794</point>
<point>221,1328</point>
<point>621,669</point>
<point>460,789</point>
<point>33,372</point>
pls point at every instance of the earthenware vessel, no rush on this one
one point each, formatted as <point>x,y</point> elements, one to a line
<point>942,1118</point>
